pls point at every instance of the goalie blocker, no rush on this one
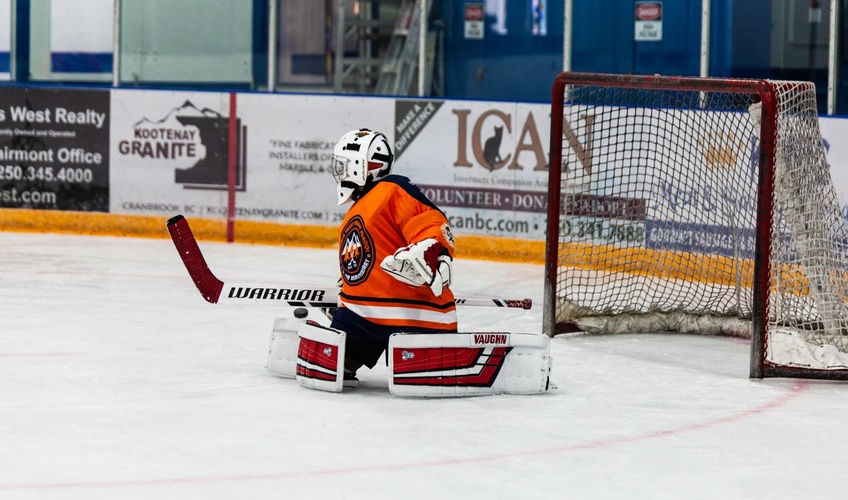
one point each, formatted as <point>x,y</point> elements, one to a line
<point>420,365</point>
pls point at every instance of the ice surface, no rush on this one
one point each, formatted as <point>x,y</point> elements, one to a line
<point>118,381</point>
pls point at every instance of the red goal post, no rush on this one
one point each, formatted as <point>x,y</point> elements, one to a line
<point>700,205</point>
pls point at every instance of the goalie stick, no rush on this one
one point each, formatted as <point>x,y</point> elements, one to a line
<point>216,291</point>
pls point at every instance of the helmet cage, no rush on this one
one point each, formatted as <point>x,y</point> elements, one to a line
<point>360,158</point>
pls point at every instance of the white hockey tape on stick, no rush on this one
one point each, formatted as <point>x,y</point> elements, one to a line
<point>468,364</point>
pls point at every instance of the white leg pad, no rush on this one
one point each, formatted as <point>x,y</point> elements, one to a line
<point>469,364</point>
<point>320,357</point>
<point>282,348</point>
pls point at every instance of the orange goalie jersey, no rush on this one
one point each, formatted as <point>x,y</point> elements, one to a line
<point>394,213</point>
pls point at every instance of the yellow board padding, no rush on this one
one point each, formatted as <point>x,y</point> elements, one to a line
<point>500,249</point>
<point>714,269</point>
<point>641,261</point>
<point>266,233</point>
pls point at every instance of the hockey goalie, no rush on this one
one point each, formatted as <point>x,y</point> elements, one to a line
<point>395,261</point>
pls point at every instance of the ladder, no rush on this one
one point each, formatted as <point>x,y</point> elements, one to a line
<point>354,22</point>
<point>401,59</point>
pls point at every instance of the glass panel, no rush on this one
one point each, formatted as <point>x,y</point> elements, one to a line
<point>841,68</point>
<point>71,40</point>
<point>496,11</point>
<point>5,37</point>
<point>189,41</point>
<point>305,32</point>
<point>81,36</point>
<point>540,18</point>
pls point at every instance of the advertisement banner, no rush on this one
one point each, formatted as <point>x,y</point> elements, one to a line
<point>54,152</point>
<point>484,163</point>
<point>289,149</point>
<point>684,199</point>
<point>169,153</point>
<point>833,131</point>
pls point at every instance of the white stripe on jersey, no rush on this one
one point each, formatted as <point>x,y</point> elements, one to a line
<point>402,314</point>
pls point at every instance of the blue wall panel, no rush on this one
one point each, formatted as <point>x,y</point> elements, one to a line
<point>513,66</point>
<point>604,39</point>
<point>602,36</point>
<point>521,66</point>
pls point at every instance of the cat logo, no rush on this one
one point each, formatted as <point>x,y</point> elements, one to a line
<point>356,255</point>
<point>496,139</point>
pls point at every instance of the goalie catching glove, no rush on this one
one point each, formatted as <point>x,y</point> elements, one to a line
<point>424,263</point>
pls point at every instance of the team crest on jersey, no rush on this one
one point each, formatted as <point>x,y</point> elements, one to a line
<point>448,234</point>
<point>356,257</point>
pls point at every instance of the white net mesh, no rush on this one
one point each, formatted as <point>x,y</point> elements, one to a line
<point>658,218</point>
<point>808,249</point>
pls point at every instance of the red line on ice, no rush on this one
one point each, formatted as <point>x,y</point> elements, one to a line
<point>786,397</point>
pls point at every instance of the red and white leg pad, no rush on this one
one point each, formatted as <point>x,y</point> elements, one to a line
<point>320,357</point>
<point>469,364</point>
<point>282,348</point>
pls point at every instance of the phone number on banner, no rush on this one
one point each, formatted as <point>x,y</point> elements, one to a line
<point>602,230</point>
<point>68,175</point>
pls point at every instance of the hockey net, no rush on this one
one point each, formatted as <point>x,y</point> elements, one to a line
<point>697,205</point>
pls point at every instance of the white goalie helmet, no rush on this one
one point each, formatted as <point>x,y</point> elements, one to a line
<point>360,158</point>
